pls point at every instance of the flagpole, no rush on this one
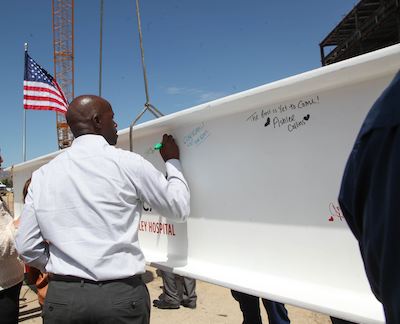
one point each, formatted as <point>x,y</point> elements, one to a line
<point>23,142</point>
<point>24,126</point>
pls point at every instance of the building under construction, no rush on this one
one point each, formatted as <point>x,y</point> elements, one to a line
<point>371,25</point>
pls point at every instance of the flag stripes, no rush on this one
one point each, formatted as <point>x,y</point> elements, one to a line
<point>41,96</point>
<point>41,90</point>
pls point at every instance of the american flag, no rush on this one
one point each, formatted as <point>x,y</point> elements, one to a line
<point>41,90</point>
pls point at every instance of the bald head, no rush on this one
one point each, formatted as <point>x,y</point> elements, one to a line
<point>90,114</point>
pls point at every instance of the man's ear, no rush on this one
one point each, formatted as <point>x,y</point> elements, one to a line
<point>96,119</point>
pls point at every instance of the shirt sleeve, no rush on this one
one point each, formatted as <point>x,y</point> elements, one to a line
<point>29,242</point>
<point>8,232</point>
<point>170,197</point>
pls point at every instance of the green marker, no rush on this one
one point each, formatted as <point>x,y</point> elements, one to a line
<point>158,146</point>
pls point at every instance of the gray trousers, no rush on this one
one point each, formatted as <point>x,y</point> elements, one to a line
<point>171,292</point>
<point>121,301</point>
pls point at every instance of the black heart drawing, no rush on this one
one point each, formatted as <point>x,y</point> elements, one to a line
<point>307,117</point>
<point>267,123</point>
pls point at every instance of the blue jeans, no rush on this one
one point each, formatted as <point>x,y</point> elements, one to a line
<point>250,307</point>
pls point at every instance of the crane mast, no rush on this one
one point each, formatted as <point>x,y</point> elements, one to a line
<point>64,62</point>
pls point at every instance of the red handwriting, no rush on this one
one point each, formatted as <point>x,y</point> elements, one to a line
<point>335,212</point>
<point>159,228</point>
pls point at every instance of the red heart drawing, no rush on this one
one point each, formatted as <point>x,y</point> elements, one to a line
<point>331,219</point>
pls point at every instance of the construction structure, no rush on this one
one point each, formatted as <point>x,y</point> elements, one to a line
<point>64,62</point>
<point>371,25</point>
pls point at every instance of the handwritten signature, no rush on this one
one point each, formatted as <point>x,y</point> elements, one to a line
<point>150,150</point>
<point>335,212</point>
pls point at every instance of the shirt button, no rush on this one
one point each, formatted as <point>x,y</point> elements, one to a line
<point>50,308</point>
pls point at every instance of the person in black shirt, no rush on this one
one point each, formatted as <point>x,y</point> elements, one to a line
<point>370,198</point>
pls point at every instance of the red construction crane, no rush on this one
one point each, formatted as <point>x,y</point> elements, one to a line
<point>63,14</point>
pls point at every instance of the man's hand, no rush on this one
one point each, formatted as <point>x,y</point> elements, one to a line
<point>169,150</point>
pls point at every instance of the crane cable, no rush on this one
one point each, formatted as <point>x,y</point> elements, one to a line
<point>101,44</point>
<point>147,105</point>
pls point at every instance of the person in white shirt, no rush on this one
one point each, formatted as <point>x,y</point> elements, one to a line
<point>11,267</point>
<point>81,216</point>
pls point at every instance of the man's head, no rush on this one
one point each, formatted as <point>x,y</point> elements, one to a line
<point>1,160</point>
<point>89,114</point>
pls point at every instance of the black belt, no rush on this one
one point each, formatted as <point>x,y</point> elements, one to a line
<point>57,277</point>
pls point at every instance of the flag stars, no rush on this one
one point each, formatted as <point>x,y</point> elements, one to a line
<point>36,72</point>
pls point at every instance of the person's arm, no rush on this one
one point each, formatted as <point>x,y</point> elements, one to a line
<point>169,197</point>
<point>8,232</point>
<point>16,222</point>
<point>29,242</point>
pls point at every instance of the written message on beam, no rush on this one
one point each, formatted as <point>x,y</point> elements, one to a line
<point>264,167</point>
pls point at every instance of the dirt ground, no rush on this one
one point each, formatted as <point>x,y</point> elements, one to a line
<point>215,305</point>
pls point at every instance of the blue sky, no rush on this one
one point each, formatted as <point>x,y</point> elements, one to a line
<point>195,51</point>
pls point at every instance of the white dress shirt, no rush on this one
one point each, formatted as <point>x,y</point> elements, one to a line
<point>87,204</point>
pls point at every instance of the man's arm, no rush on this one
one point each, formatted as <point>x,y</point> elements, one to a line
<point>169,197</point>
<point>29,242</point>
